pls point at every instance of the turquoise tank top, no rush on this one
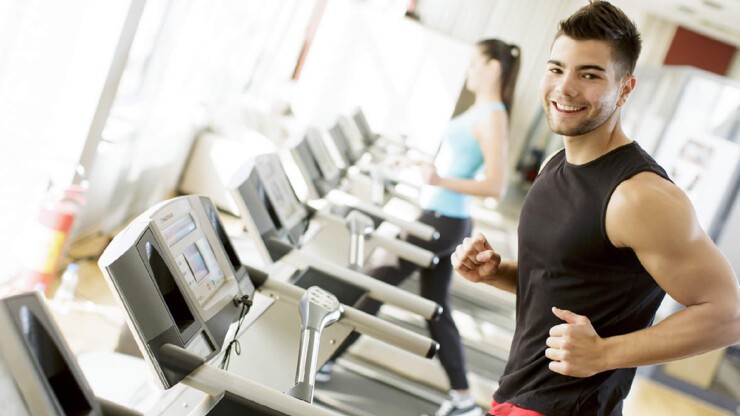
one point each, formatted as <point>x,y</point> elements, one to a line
<point>459,156</point>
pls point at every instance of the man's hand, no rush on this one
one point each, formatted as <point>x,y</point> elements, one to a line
<point>475,260</point>
<point>575,348</point>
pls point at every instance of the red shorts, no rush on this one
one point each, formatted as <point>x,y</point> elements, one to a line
<point>508,409</point>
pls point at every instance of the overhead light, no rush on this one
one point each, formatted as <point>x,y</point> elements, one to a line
<point>713,4</point>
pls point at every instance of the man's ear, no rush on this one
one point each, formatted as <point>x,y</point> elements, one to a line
<point>628,85</point>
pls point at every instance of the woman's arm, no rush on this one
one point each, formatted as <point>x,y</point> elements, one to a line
<point>492,135</point>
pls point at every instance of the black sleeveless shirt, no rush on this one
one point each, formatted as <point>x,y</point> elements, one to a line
<point>567,261</point>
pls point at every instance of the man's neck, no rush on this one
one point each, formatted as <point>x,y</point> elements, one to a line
<point>596,143</point>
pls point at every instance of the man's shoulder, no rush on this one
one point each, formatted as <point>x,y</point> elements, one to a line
<point>645,201</point>
<point>644,186</point>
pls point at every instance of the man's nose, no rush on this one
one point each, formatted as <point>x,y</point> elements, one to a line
<point>567,86</point>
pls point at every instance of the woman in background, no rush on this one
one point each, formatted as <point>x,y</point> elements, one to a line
<point>474,142</point>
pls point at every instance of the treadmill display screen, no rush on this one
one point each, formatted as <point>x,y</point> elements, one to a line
<point>199,266</point>
<point>282,198</point>
<point>323,158</point>
<point>178,230</point>
<point>195,261</point>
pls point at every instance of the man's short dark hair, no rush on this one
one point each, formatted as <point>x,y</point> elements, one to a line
<point>599,20</point>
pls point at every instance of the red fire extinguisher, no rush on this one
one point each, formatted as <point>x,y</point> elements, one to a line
<point>49,237</point>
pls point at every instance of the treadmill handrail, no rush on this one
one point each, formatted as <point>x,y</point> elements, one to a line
<point>376,289</point>
<point>215,381</point>
<point>402,249</point>
<point>365,169</point>
<point>405,250</point>
<point>356,178</point>
<point>393,192</point>
<point>367,324</point>
<point>415,228</point>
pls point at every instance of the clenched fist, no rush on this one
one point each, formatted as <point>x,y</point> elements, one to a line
<point>475,259</point>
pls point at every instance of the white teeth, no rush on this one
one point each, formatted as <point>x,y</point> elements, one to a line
<point>567,107</point>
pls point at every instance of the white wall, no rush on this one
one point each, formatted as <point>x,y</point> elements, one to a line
<point>405,76</point>
<point>657,36</point>
<point>734,70</point>
<point>54,59</point>
<point>190,64</point>
<point>465,20</point>
<point>531,24</point>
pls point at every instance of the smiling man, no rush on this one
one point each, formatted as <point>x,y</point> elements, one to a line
<point>604,234</point>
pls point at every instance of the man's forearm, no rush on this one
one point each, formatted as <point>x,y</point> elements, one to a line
<point>694,330</point>
<point>505,277</point>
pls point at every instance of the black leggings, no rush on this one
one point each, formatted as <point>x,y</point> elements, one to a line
<point>435,286</point>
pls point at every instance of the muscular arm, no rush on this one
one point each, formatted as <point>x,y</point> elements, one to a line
<point>491,133</point>
<point>656,220</point>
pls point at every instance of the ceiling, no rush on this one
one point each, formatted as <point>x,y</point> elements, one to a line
<point>718,19</point>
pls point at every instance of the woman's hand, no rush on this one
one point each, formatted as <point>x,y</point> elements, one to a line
<point>397,162</point>
<point>429,173</point>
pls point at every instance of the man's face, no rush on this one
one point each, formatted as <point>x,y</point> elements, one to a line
<point>581,88</point>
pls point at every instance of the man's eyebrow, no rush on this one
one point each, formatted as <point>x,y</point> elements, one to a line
<point>580,67</point>
<point>591,67</point>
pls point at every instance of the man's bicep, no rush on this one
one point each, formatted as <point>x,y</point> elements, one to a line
<point>671,245</point>
<point>693,274</point>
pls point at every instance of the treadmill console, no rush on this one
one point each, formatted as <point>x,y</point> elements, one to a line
<point>176,275</point>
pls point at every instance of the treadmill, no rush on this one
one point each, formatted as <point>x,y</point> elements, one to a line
<point>485,315</point>
<point>188,297</point>
<point>280,238</point>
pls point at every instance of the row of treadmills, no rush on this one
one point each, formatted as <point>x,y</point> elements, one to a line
<point>223,332</point>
